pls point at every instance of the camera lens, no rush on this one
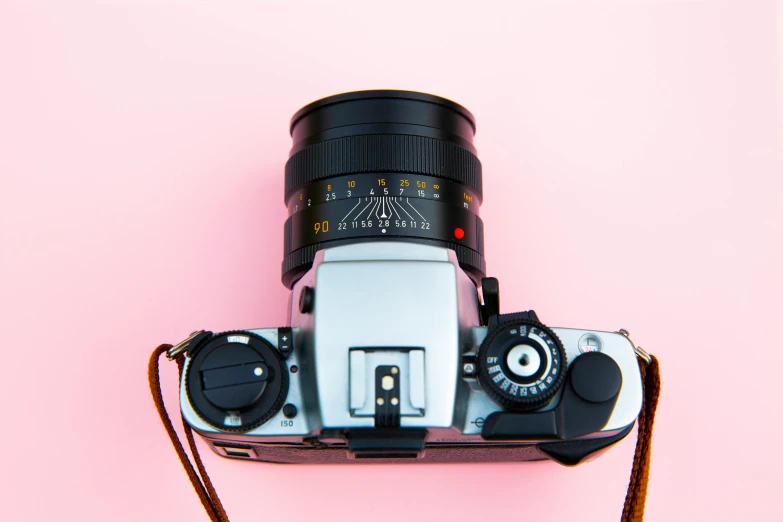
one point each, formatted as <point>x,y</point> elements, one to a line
<point>382,166</point>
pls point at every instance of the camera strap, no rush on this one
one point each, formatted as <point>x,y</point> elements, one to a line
<point>633,510</point>
<point>203,485</point>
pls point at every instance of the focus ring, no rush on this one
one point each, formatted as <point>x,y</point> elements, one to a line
<point>382,153</point>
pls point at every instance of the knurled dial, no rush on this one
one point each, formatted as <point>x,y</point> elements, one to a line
<point>236,381</point>
<point>521,364</point>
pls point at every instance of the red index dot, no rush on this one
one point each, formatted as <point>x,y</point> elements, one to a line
<point>459,233</point>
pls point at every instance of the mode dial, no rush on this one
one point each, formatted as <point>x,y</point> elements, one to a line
<point>521,364</point>
<point>236,381</point>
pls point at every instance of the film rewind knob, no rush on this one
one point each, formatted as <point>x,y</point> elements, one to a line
<point>236,381</point>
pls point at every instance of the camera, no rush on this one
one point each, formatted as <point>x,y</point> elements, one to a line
<point>396,349</point>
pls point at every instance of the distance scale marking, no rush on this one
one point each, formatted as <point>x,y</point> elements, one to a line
<point>397,184</point>
<point>385,216</point>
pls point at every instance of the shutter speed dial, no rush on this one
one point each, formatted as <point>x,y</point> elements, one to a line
<point>236,381</point>
<point>521,364</point>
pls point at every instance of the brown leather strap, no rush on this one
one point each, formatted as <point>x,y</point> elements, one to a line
<point>205,490</point>
<point>634,500</point>
<point>637,487</point>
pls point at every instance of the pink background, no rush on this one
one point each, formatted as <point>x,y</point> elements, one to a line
<point>636,144</point>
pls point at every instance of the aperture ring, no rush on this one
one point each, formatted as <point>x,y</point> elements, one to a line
<point>382,153</point>
<point>299,261</point>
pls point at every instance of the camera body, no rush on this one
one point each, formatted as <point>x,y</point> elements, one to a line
<point>396,348</point>
<point>382,361</point>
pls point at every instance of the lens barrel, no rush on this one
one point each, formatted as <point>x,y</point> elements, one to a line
<point>382,165</point>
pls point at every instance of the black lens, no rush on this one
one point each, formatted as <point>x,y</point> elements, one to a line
<point>382,166</point>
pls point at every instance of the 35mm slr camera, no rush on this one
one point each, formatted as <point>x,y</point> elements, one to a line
<point>396,348</point>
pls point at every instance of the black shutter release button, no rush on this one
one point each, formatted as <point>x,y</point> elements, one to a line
<point>595,377</point>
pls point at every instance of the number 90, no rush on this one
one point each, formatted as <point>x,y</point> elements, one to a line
<point>323,226</point>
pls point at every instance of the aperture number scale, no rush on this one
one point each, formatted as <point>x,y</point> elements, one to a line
<point>384,212</point>
<point>384,216</point>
